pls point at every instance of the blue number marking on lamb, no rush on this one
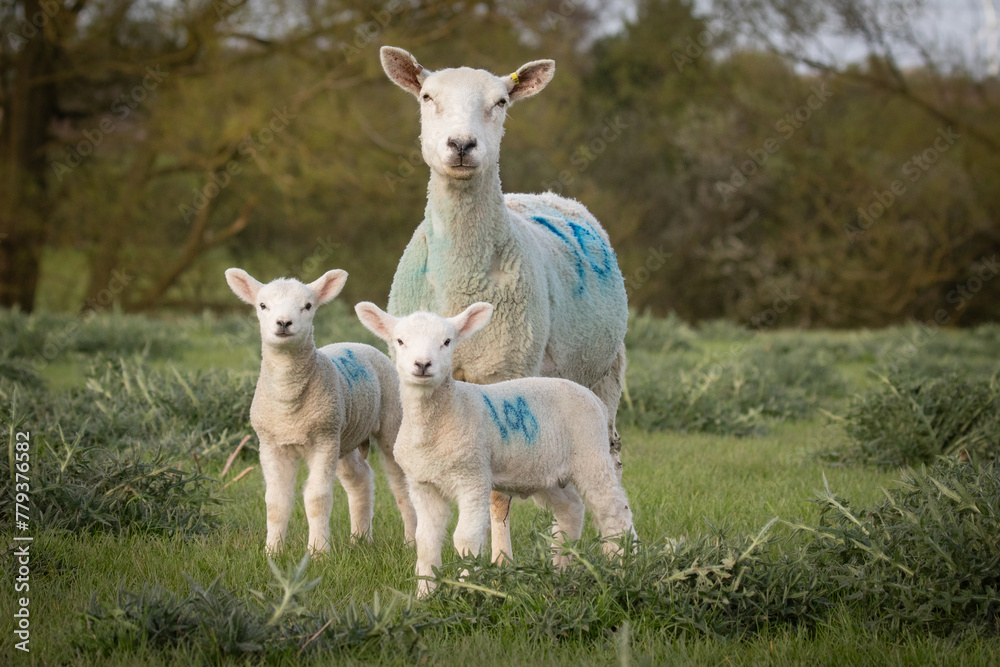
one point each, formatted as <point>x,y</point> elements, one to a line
<point>517,418</point>
<point>520,418</point>
<point>496,417</point>
<point>351,368</point>
<point>592,248</point>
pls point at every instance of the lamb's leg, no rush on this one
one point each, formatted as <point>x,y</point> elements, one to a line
<point>500,523</point>
<point>322,460</point>
<point>356,477</point>
<point>567,507</point>
<point>432,521</point>
<point>386,439</point>
<point>605,498</point>
<point>609,390</point>
<point>473,521</point>
<point>278,467</point>
<point>397,482</point>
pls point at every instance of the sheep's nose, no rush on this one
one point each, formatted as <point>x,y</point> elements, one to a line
<point>462,144</point>
<point>284,325</point>
<point>422,367</point>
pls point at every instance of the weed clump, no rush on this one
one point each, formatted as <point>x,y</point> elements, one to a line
<point>912,419</point>
<point>214,623</point>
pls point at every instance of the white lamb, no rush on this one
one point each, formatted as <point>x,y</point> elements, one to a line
<point>321,405</point>
<point>544,261</point>
<point>532,436</point>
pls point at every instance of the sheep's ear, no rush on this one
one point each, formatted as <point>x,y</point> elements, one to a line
<point>403,69</point>
<point>376,320</point>
<point>243,285</point>
<point>328,286</point>
<point>471,320</point>
<point>530,78</point>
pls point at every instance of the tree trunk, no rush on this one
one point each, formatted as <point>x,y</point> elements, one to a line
<point>24,128</point>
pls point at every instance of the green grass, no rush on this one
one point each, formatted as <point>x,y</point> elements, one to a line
<point>693,483</point>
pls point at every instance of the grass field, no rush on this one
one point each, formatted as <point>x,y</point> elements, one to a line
<point>133,420</point>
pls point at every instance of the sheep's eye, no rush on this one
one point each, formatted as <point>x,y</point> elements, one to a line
<point>502,103</point>
<point>447,342</point>
<point>399,340</point>
<point>309,306</point>
<point>263,307</point>
<point>427,98</point>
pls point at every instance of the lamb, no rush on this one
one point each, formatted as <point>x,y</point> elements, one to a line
<point>531,436</point>
<point>543,260</point>
<point>322,405</point>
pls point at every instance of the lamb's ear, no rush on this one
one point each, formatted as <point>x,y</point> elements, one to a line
<point>243,285</point>
<point>403,69</point>
<point>471,320</point>
<point>328,286</point>
<point>530,78</point>
<point>376,320</point>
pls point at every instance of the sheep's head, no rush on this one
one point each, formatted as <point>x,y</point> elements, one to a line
<point>424,342</point>
<point>462,110</point>
<point>285,307</point>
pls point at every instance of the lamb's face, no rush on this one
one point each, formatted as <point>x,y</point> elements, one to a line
<point>424,344</point>
<point>462,112</point>
<point>285,310</point>
<point>285,307</point>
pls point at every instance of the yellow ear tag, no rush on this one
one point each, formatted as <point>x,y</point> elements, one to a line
<point>515,78</point>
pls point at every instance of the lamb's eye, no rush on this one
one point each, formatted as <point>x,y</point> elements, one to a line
<point>309,306</point>
<point>427,98</point>
<point>399,341</point>
<point>502,103</point>
<point>447,342</point>
<point>263,307</point>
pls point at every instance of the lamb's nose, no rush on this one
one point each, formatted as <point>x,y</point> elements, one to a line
<point>422,367</point>
<point>284,325</point>
<point>462,145</point>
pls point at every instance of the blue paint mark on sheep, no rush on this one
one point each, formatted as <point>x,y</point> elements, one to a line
<point>517,418</point>
<point>351,368</point>
<point>589,249</point>
<point>496,417</point>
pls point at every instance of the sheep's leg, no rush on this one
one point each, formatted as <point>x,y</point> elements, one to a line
<point>500,523</point>
<point>322,460</point>
<point>567,507</point>
<point>609,390</point>
<point>432,521</point>
<point>397,482</point>
<point>278,467</point>
<point>356,477</point>
<point>473,522</point>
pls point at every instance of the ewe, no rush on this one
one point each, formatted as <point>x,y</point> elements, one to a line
<point>543,260</point>
<point>321,405</point>
<point>532,436</point>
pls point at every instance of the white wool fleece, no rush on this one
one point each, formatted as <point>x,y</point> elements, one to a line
<point>321,405</point>
<point>543,261</point>
<point>460,441</point>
